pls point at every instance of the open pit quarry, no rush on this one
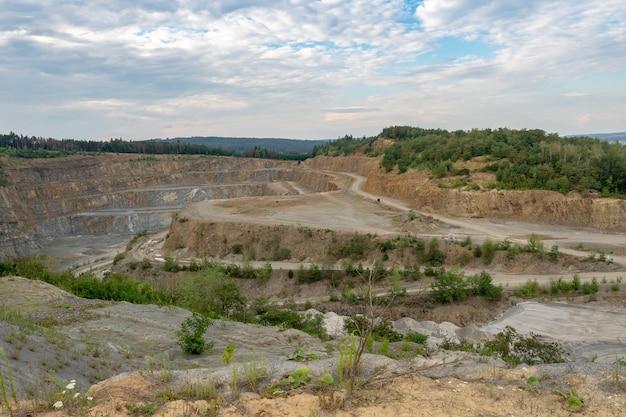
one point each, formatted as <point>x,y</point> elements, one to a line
<point>78,208</point>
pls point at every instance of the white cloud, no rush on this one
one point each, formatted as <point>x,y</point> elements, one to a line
<point>236,67</point>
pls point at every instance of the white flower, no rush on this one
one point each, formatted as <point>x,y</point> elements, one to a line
<point>89,398</point>
<point>63,392</point>
<point>76,395</point>
<point>71,385</point>
<point>58,404</point>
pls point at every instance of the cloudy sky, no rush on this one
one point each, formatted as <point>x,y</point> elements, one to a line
<point>309,69</point>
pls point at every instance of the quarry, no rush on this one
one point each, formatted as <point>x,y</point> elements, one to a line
<point>83,210</point>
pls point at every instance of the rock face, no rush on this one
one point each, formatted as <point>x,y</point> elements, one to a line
<point>534,206</point>
<point>125,194</point>
<point>95,195</point>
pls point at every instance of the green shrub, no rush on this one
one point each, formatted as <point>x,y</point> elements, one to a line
<point>481,284</point>
<point>119,257</point>
<point>449,286</point>
<point>417,337</point>
<point>191,334</point>
<point>171,265</point>
<point>514,348</point>
<point>489,250</point>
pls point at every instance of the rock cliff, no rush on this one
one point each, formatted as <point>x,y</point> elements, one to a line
<point>100,194</point>
<point>534,206</point>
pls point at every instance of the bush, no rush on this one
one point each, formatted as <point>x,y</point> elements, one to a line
<point>191,334</point>
<point>171,265</point>
<point>417,337</point>
<point>281,254</point>
<point>489,250</point>
<point>481,284</point>
<point>514,348</point>
<point>449,286</point>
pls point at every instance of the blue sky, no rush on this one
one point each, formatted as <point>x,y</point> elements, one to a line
<point>309,69</point>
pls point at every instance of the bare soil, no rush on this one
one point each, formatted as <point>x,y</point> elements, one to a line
<point>93,341</point>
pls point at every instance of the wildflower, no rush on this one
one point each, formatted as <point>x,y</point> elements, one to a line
<point>71,385</point>
<point>58,404</point>
<point>76,395</point>
<point>89,398</point>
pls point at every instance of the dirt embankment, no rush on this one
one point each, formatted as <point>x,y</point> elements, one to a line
<point>534,206</point>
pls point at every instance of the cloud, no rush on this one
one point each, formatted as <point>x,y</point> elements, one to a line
<point>236,67</point>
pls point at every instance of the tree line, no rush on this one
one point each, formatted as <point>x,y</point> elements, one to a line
<point>22,146</point>
<point>521,159</point>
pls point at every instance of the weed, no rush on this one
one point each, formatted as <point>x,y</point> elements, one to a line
<point>295,379</point>
<point>135,410</point>
<point>532,384</point>
<point>253,371</point>
<point>3,391</point>
<point>299,355</point>
<point>229,354</point>
<point>573,402</point>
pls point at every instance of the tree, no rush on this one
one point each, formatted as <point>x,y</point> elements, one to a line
<point>191,334</point>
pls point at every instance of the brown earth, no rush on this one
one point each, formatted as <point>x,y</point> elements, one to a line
<point>45,190</point>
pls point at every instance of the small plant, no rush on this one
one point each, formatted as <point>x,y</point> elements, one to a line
<point>191,334</point>
<point>573,402</point>
<point>229,354</point>
<point>135,410</point>
<point>295,379</point>
<point>253,371</point>
<point>70,400</point>
<point>3,390</point>
<point>299,355</point>
<point>532,384</point>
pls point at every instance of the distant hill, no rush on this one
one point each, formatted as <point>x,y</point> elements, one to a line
<point>242,144</point>
<point>610,137</point>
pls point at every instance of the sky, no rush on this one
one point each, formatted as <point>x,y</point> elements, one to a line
<point>309,69</point>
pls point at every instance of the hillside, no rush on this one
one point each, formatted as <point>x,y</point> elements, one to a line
<point>328,211</point>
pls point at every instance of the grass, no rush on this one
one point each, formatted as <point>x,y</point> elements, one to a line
<point>3,385</point>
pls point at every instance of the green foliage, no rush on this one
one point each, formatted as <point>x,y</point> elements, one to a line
<point>135,410</point>
<point>272,315</point>
<point>522,159</point>
<point>3,385</point>
<point>512,348</point>
<point>119,257</point>
<point>532,384</point>
<point>489,250</point>
<point>417,337</point>
<point>515,348</point>
<point>359,325</point>
<point>573,402</point>
<point>21,146</point>
<point>449,286</point>
<point>228,354</point>
<point>210,292</point>
<point>171,264</point>
<point>299,355</point>
<point>534,245</point>
<point>481,284</point>
<point>190,337</point>
<point>311,274</point>
<point>237,248</point>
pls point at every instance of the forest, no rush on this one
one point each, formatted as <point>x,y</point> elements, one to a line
<point>22,146</point>
<point>521,159</point>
